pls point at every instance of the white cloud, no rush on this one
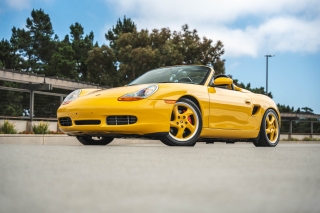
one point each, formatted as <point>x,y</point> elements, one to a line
<point>19,4</point>
<point>26,4</point>
<point>274,25</point>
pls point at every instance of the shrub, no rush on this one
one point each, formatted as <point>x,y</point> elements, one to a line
<point>8,128</point>
<point>41,128</point>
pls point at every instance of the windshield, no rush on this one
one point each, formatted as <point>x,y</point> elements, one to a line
<point>177,74</point>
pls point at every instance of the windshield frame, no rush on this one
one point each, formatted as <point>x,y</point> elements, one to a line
<point>175,73</point>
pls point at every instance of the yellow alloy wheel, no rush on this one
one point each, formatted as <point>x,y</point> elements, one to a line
<point>269,130</point>
<point>185,124</point>
<point>272,127</point>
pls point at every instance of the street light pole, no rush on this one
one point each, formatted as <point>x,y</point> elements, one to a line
<point>267,56</point>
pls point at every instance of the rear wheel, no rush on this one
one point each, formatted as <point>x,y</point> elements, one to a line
<point>185,124</point>
<point>269,130</point>
<point>88,140</point>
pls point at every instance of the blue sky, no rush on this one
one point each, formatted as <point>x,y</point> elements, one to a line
<point>250,29</point>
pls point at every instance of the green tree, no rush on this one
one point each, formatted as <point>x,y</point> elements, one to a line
<point>167,53</point>
<point>284,108</point>
<point>8,57</point>
<point>81,45</point>
<point>101,66</point>
<point>62,62</point>
<point>125,26</point>
<point>36,43</point>
<point>307,110</point>
<point>140,51</point>
<point>199,51</point>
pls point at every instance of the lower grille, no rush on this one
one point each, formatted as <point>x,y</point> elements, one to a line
<point>87,122</point>
<point>65,121</point>
<point>121,120</point>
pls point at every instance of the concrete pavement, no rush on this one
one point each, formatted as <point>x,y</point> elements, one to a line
<point>155,178</point>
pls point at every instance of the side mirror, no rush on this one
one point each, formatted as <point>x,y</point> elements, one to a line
<point>222,81</point>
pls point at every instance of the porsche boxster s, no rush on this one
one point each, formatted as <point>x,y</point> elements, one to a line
<point>178,105</point>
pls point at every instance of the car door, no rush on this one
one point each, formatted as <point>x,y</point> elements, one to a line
<point>229,109</point>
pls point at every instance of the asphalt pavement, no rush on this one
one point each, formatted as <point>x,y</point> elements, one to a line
<point>156,178</point>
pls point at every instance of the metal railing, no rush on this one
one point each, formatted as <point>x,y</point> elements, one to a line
<point>300,127</point>
<point>18,103</point>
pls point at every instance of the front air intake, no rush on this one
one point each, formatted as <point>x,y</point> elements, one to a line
<point>87,122</point>
<point>121,120</point>
<point>65,121</point>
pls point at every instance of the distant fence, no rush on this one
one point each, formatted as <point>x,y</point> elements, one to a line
<point>300,127</point>
<point>16,103</point>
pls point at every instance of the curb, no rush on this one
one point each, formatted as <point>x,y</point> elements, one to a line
<point>60,140</point>
<point>68,140</point>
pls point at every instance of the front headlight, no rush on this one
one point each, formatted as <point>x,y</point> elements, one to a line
<point>72,96</point>
<point>140,94</point>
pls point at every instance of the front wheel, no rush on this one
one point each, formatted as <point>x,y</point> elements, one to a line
<point>269,130</point>
<point>185,124</point>
<point>88,140</point>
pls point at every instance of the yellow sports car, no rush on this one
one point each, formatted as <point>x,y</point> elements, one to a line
<point>177,105</point>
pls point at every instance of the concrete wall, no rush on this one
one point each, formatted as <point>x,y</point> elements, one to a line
<point>297,136</point>
<point>22,125</point>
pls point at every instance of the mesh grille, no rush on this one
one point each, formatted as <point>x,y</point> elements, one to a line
<point>121,120</point>
<point>65,121</point>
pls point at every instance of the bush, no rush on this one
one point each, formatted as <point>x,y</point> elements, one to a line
<point>8,128</point>
<point>310,139</point>
<point>41,128</point>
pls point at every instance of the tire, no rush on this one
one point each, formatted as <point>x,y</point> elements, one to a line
<point>269,131</point>
<point>185,124</point>
<point>88,140</point>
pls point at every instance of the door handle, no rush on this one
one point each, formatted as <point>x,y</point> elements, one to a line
<point>247,101</point>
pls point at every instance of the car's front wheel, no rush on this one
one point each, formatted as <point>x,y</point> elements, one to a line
<point>270,130</point>
<point>185,124</point>
<point>88,140</point>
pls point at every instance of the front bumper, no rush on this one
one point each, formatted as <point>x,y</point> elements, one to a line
<point>153,116</point>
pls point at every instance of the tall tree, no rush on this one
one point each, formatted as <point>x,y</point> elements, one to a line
<point>62,62</point>
<point>307,110</point>
<point>8,57</point>
<point>81,45</point>
<point>101,64</point>
<point>36,43</point>
<point>199,51</point>
<point>140,51</point>
<point>125,26</point>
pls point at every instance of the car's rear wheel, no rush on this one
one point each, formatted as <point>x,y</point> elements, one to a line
<point>185,124</point>
<point>88,140</point>
<point>270,130</point>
